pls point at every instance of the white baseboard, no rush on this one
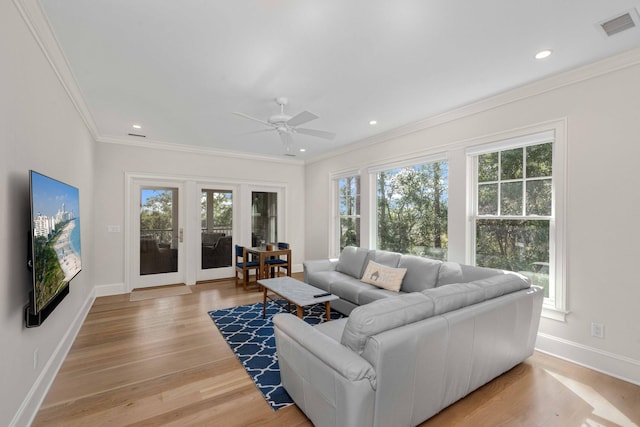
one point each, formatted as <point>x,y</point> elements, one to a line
<point>31,403</point>
<point>119,288</point>
<point>112,289</point>
<point>611,364</point>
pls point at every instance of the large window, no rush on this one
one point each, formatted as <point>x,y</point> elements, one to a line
<point>349,211</point>
<point>412,209</point>
<point>514,208</point>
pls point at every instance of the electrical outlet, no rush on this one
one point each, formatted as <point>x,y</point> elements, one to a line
<point>597,330</point>
<point>35,359</point>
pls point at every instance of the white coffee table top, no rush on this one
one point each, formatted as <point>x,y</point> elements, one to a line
<point>299,293</point>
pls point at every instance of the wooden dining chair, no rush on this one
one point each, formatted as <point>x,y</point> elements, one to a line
<point>243,265</point>
<point>278,262</point>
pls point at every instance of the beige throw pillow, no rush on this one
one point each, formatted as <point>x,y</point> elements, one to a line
<point>383,277</point>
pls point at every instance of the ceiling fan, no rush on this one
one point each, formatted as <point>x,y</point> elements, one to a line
<point>287,125</point>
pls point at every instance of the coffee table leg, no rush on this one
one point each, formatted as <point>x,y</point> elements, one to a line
<point>264,302</point>
<point>327,305</point>
<point>300,311</point>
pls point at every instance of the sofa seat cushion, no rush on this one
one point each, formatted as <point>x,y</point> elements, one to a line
<point>352,261</point>
<point>382,315</point>
<point>324,279</point>
<point>348,288</point>
<point>422,273</point>
<point>382,276</point>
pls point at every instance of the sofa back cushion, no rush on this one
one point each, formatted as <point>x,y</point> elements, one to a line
<point>422,273</point>
<point>390,259</point>
<point>452,272</point>
<point>382,315</point>
<point>352,261</point>
<point>458,295</point>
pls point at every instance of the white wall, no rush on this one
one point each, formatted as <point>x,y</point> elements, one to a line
<point>116,160</point>
<point>41,130</point>
<point>602,113</point>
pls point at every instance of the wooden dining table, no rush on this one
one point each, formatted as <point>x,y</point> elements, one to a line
<point>263,253</point>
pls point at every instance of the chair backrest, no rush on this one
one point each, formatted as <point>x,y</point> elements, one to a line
<point>282,245</point>
<point>239,251</point>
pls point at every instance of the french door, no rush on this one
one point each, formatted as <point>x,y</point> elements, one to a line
<point>215,235</point>
<point>157,230</point>
<point>185,231</point>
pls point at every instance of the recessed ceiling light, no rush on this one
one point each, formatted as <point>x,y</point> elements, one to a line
<point>373,122</point>
<point>136,127</point>
<point>543,54</point>
<point>302,150</point>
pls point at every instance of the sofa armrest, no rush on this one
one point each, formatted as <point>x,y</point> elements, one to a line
<point>313,266</point>
<point>320,265</point>
<point>333,354</point>
<point>331,384</point>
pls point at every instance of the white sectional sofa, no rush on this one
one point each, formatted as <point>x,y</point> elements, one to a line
<point>401,357</point>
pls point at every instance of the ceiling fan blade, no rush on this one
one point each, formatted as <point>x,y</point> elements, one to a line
<point>313,132</point>
<point>252,118</point>
<point>257,131</point>
<point>301,118</point>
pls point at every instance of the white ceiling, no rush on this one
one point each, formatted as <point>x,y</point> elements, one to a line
<point>180,68</point>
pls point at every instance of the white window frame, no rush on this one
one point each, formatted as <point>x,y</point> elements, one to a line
<point>555,307</point>
<point>334,243</point>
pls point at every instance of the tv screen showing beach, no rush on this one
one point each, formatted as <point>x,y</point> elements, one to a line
<point>56,254</point>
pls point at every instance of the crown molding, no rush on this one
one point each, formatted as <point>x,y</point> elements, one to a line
<point>613,63</point>
<point>38,24</point>
<point>192,149</point>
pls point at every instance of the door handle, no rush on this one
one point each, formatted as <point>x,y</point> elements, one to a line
<point>181,235</point>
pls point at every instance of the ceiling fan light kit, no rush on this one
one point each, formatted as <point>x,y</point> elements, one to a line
<point>287,125</point>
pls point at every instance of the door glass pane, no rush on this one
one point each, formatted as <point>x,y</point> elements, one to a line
<point>158,230</point>
<point>216,223</point>
<point>264,218</point>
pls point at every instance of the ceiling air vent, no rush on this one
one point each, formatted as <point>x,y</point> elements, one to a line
<point>620,23</point>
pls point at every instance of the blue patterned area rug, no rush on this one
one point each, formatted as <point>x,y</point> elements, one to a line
<point>251,339</point>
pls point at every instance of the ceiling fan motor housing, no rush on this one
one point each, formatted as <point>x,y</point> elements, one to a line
<point>279,119</point>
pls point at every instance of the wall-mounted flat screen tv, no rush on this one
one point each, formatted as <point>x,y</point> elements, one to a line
<point>55,253</point>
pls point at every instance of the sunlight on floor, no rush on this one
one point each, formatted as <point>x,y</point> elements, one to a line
<point>602,408</point>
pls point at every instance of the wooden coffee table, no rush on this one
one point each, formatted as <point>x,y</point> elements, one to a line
<point>295,292</point>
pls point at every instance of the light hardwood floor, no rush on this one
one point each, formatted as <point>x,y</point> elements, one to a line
<point>163,362</point>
